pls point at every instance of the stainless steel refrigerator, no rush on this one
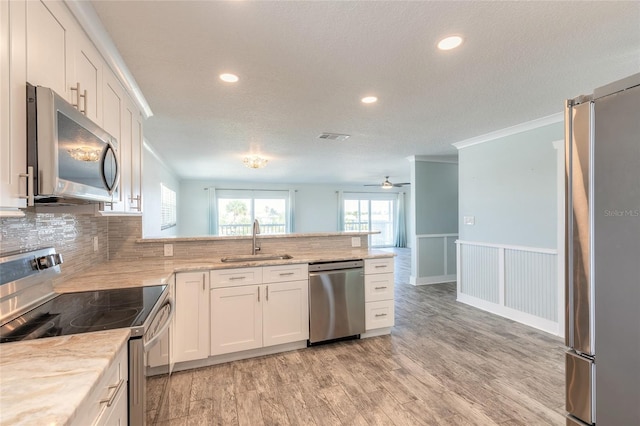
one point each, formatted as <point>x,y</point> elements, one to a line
<point>602,152</point>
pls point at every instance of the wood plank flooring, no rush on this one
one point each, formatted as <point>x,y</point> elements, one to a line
<point>445,363</point>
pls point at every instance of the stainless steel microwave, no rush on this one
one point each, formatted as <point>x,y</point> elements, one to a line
<point>71,156</point>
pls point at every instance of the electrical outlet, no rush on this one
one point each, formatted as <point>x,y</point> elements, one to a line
<point>355,242</point>
<point>95,243</point>
<point>168,249</point>
<point>469,220</point>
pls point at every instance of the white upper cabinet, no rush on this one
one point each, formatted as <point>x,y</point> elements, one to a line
<point>13,157</point>
<point>49,45</point>
<point>86,81</point>
<point>43,44</point>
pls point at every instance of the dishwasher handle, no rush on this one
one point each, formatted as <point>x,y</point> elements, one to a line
<point>336,266</point>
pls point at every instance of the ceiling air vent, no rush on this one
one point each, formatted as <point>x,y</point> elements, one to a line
<point>334,137</point>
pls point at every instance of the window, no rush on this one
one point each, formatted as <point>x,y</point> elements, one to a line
<point>235,211</point>
<point>371,212</point>
<point>167,207</point>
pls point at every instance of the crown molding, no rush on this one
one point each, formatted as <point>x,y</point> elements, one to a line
<point>518,128</point>
<point>451,159</point>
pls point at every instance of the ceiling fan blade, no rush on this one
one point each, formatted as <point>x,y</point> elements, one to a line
<point>402,184</point>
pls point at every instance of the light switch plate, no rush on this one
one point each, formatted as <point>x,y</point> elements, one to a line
<point>469,220</point>
<point>95,243</point>
<point>168,249</point>
<point>355,242</point>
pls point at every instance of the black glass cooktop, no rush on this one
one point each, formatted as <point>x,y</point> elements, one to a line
<point>73,313</point>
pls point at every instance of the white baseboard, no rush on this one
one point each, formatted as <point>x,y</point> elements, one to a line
<point>521,317</point>
<point>235,356</point>
<point>376,332</point>
<point>437,279</point>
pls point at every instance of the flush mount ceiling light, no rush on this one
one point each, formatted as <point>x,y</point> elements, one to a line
<point>229,78</point>
<point>369,100</point>
<point>255,162</point>
<point>450,42</point>
<point>84,153</point>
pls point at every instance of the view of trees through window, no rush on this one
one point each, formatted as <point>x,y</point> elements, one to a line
<point>374,215</point>
<point>236,215</point>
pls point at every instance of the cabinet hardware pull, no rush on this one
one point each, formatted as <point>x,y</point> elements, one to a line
<point>282,274</point>
<point>237,278</point>
<point>381,315</point>
<point>381,266</point>
<point>380,288</point>
<point>138,200</point>
<point>267,293</point>
<point>117,387</point>
<point>258,294</point>
<point>29,195</point>
<point>78,96</point>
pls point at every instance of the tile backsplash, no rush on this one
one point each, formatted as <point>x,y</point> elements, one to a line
<point>70,234</point>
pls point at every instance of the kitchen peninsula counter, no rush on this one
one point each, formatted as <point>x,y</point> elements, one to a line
<point>46,381</point>
<point>157,271</point>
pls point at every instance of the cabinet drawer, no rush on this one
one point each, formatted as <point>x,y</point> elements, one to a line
<point>379,314</point>
<point>235,277</point>
<point>378,266</point>
<point>112,384</point>
<point>282,273</point>
<point>378,287</point>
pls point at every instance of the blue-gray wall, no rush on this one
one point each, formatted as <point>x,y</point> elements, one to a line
<point>509,185</point>
<point>155,173</point>
<point>436,197</point>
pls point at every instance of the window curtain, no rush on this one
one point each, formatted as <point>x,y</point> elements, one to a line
<point>340,210</point>
<point>291,223</point>
<point>401,227</point>
<point>213,211</point>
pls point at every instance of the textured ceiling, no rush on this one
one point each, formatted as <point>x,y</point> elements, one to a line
<point>304,66</point>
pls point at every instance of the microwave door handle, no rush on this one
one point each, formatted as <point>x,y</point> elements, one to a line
<point>110,188</point>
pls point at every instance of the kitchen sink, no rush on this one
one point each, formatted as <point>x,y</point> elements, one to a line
<point>256,257</point>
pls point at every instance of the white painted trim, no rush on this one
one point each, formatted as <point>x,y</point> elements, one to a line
<point>512,314</point>
<point>377,332</point>
<point>560,260</point>
<point>86,15</point>
<point>458,273</point>
<point>436,279</point>
<point>509,247</point>
<point>518,128</point>
<point>501,277</point>
<point>450,159</point>
<point>11,212</point>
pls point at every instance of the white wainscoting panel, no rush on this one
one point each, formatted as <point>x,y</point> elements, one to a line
<point>520,283</point>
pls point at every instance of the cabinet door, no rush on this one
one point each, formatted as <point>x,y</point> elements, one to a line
<point>236,319</point>
<point>286,312</point>
<point>88,78</point>
<point>191,339</point>
<point>49,60</point>
<point>13,149</point>
<point>135,200</point>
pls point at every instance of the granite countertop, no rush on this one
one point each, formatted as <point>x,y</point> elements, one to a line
<point>156,271</point>
<point>45,381</point>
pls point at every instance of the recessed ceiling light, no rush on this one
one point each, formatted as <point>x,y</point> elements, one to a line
<point>449,43</point>
<point>369,99</point>
<point>229,78</point>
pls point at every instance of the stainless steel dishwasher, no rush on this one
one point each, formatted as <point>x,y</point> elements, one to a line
<point>336,300</point>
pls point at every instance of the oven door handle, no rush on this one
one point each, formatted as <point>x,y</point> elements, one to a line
<point>148,345</point>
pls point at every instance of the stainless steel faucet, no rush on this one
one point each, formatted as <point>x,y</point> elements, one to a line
<point>256,231</point>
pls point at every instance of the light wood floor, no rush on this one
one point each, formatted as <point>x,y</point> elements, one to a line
<point>445,363</point>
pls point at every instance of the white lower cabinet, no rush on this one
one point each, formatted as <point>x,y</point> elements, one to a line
<point>236,319</point>
<point>191,337</point>
<point>286,313</point>
<point>250,316</point>
<point>378,294</point>
<point>107,403</point>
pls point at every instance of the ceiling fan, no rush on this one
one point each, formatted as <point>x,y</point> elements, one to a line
<point>388,185</point>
